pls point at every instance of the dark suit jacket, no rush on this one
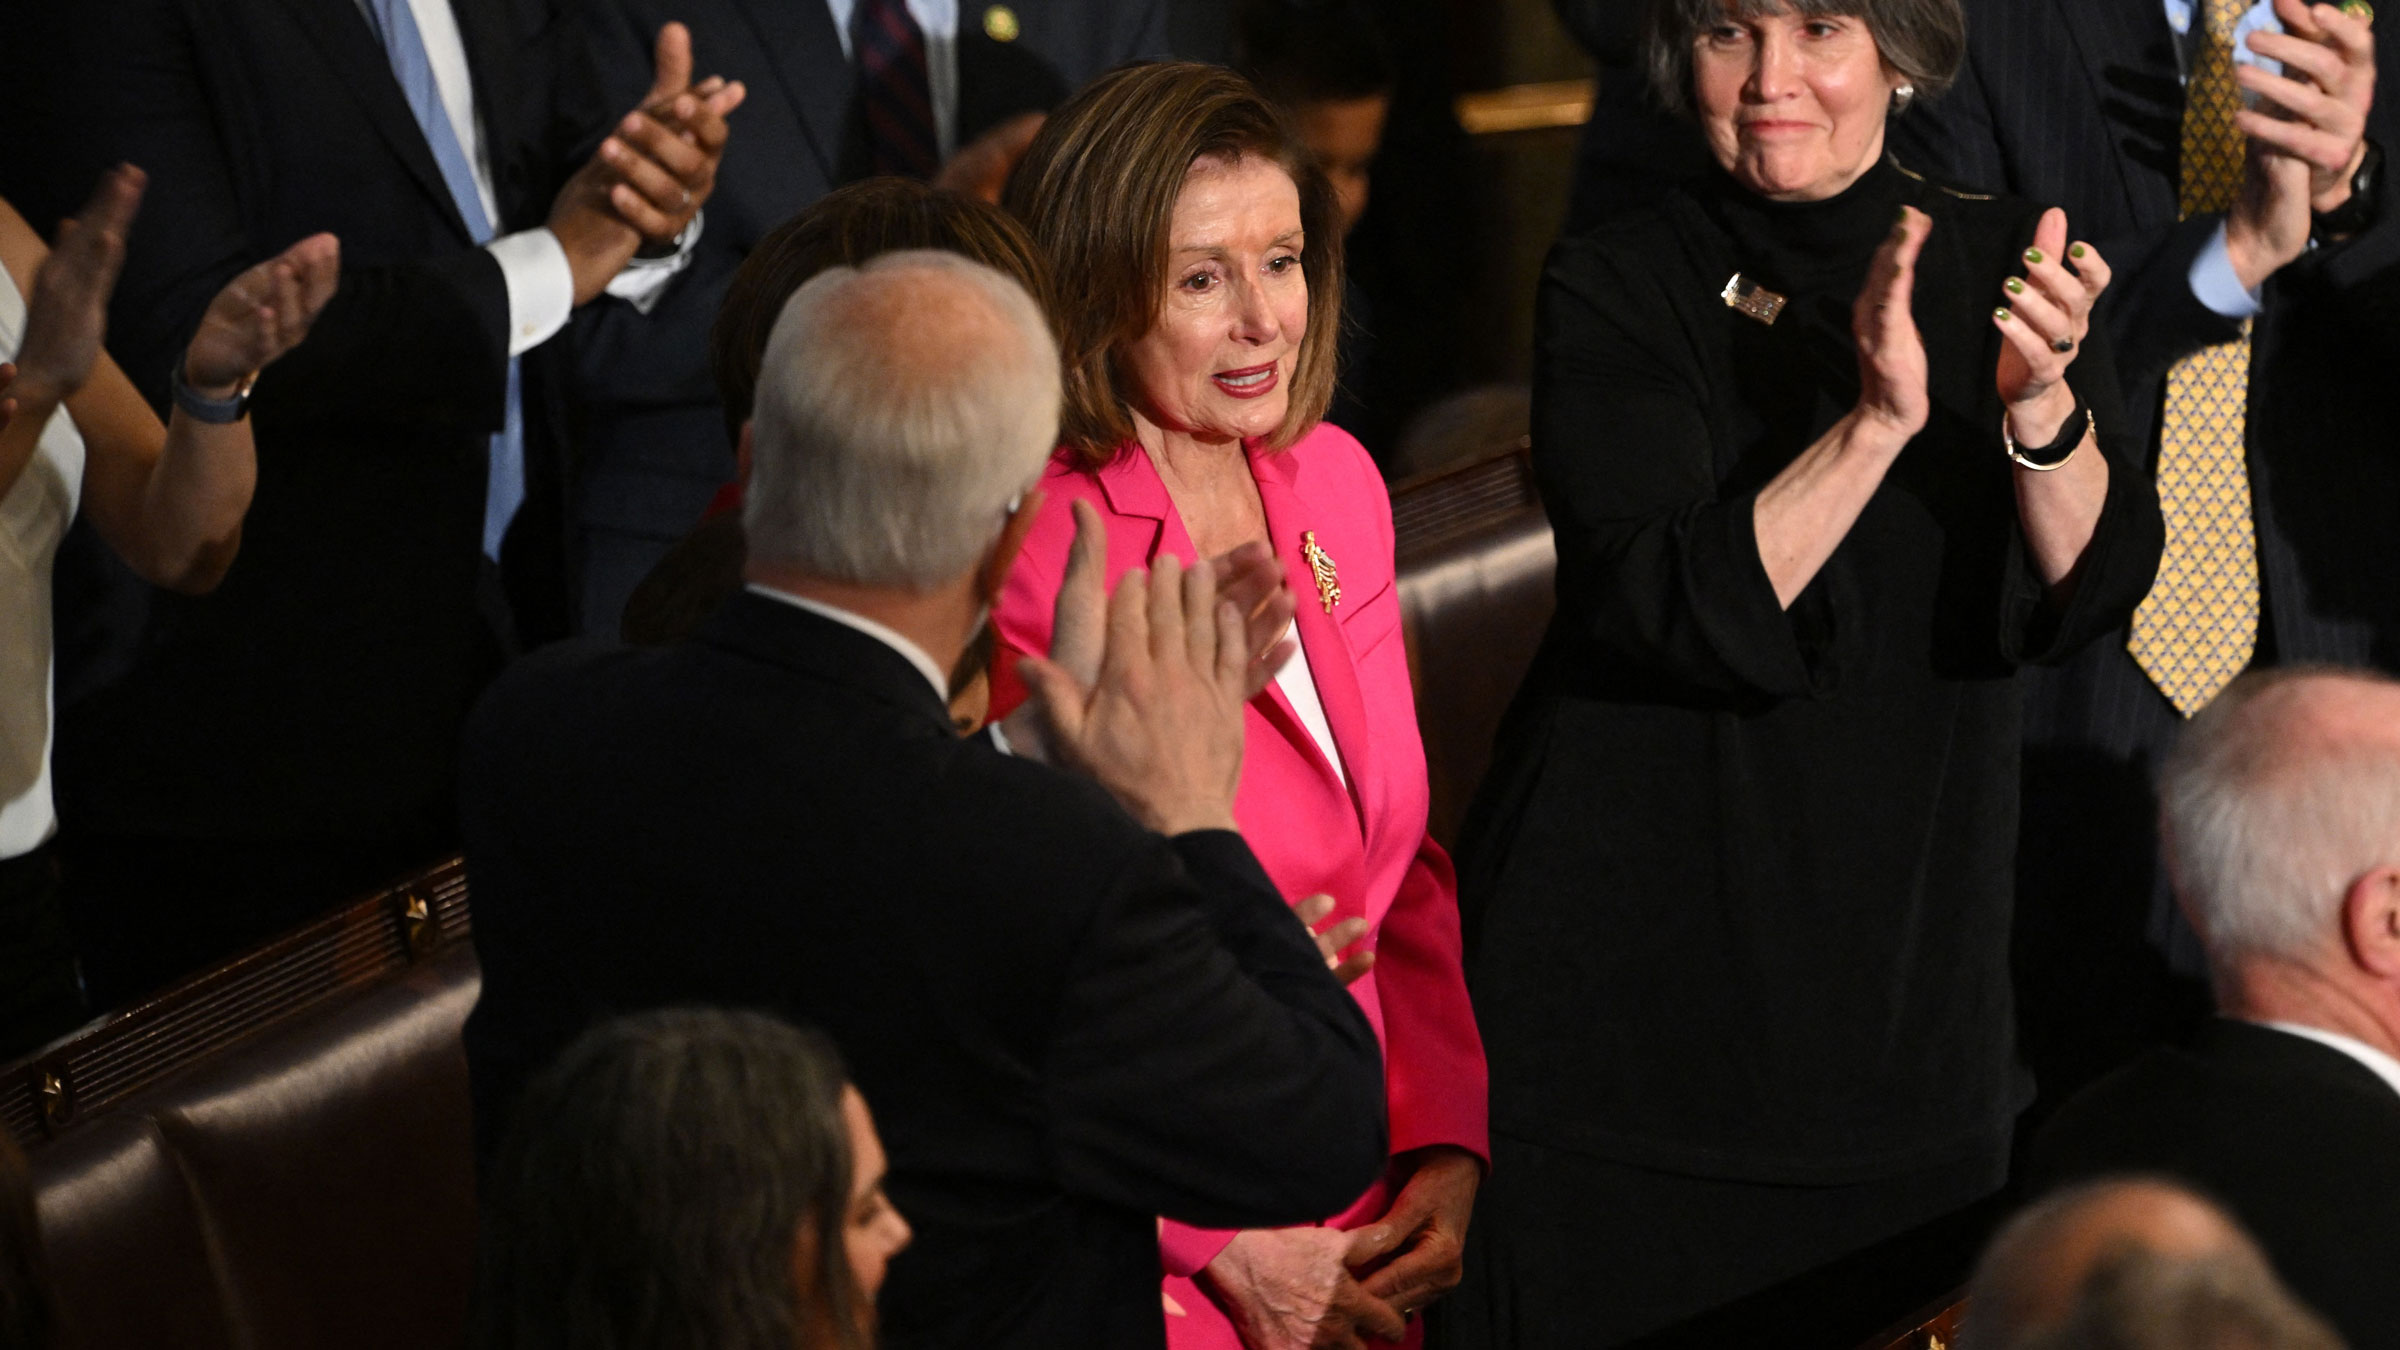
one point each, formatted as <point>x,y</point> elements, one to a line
<point>2077,103</point>
<point>2299,1140</point>
<point>1066,1025</point>
<point>656,447</point>
<point>318,694</point>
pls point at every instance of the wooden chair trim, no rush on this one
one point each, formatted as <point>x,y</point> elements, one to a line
<point>1433,511</point>
<point>121,1054</point>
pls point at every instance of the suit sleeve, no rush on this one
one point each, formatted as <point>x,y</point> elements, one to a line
<point>422,341</point>
<point>1436,1083</point>
<point>1657,571</point>
<point>1207,1067</point>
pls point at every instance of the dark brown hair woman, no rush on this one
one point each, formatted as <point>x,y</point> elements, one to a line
<point>1199,261</point>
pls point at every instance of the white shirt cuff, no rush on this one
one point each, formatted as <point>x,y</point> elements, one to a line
<point>1000,739</point>
<point>2216,285</point>
<point>541,286</point>
<point>644,280</point>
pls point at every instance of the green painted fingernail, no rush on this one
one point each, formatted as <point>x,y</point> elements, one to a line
<point>2015,286</point>
<point>2034,256</point>
<point>2078,251</point>
<point>2002,314</point>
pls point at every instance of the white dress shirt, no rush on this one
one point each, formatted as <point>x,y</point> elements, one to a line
<point>2384,1066</point>
<point>889,637</point>
<point>2213,280</point>
<point>939,21</point>
<point>541,284</point>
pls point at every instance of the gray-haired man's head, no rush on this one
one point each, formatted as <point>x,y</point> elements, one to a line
<point>902,407</point>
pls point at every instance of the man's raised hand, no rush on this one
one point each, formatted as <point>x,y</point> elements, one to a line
<point>1160,725</point>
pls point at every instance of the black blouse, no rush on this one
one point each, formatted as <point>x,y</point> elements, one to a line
<point>1739,883</point>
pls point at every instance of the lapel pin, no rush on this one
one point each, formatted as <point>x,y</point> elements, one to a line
<point>1320,566</point>
<point>1745,296</point>
<point>1000,24</point>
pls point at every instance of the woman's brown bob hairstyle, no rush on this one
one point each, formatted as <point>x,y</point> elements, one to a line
<point>1922,39</point>
<point>844,229</point>
<point>1098,191</point>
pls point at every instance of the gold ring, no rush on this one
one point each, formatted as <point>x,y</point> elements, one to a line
<point>2359,9</point>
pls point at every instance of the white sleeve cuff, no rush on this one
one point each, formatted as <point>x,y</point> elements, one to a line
<point>2216,285</point>
<point>541,286</point>
<point>1000,739</point>
<point>644,280</point>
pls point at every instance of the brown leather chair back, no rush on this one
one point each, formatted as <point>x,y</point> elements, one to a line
<point>1476,566</point>
<point>277,1154</point>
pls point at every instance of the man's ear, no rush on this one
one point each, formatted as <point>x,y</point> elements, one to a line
<point>2371,922</point>
<point>1005,549</point>
<point>743,456</point>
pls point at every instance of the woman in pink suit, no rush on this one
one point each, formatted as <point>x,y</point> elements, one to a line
<point>1199,266</point>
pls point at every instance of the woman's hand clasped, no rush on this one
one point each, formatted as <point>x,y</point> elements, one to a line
<point>2046,316</point>
<point>1891,353</point>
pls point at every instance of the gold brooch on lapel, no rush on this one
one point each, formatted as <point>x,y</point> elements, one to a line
<point>1745,296</point>
<point>1320,566</point>
<point>1000,24</point>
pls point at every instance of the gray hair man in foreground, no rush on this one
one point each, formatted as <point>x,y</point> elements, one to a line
<point>2132,1265</point>
<point>1074,1001</point>
<point>2281,816</point>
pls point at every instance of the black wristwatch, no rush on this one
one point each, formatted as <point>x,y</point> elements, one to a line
<point>214,411</point>
<point>2356,214</point>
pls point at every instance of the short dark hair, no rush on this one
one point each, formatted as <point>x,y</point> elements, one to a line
<point>845,228</point>
<point>651,1188</point>
<point>1300,52</point>
<point>1098,189</point>
<point>1925,40</point>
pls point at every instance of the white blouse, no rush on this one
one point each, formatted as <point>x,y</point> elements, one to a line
<point>34,515</point>
<point>1300,690</point>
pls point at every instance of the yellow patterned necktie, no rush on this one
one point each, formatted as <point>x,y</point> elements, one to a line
<point>2199,625</point>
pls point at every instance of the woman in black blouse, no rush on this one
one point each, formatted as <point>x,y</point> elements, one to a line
<point>1830,451</point>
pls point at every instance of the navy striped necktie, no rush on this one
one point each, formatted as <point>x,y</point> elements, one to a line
<point>895,86</point>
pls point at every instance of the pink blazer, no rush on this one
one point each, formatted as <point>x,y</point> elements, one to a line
<point>1365,845</point>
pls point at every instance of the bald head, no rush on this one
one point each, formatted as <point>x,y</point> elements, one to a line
<point>2129,1265</point>
<point>2279,797</point>
<point>902,406</point>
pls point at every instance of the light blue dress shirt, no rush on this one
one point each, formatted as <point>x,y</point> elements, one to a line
<point>2214,282</point>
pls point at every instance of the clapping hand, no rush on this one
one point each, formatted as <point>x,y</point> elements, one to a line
<point>1251,577</point>
<point>1160,724</point>
<point>653,172</point>
<point>262,314</point>
<point>66,317</point>
<point>2307,132</point>
<point>1891,353</point>
<point>2046,316</point>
